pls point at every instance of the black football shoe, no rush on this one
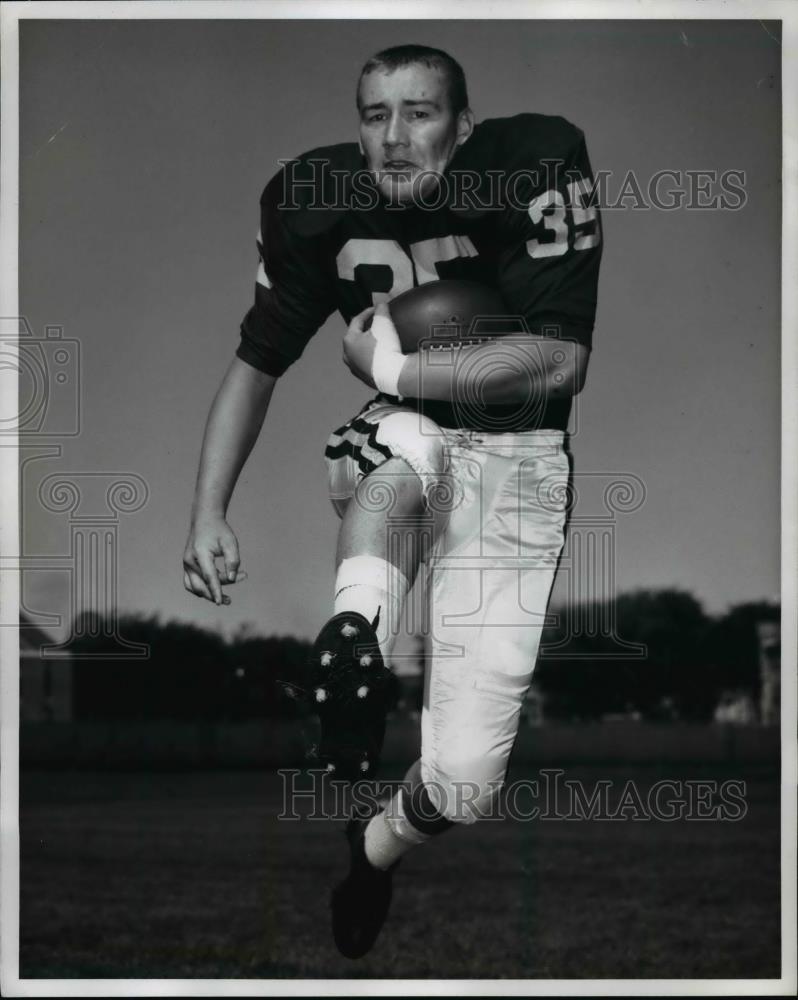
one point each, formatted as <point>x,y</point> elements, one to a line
<point>361,902</point>
<point>349,690</point>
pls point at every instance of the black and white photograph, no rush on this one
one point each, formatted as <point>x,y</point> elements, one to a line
<point>399,548</point>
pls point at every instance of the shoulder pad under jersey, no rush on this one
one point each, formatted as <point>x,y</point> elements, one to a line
<point>511,144</point>
<point>312,191</point>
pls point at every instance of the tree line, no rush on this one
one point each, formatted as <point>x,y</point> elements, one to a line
<point>662,657</point>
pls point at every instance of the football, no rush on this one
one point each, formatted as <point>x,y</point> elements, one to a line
<point>442,315</point>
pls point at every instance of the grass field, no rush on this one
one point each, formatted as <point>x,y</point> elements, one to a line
<point>192,875</point>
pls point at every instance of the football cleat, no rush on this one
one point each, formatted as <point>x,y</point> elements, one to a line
<point>360,903</point>
<point>350,687</point>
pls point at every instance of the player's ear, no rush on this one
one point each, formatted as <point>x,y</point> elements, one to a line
<point>465,125</point>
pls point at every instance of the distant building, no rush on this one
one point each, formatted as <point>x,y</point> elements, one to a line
<point>769,636</point>
<point>407,663</point>
<point>532,707</point>
<point>45,685</point>
<point>735,708</point>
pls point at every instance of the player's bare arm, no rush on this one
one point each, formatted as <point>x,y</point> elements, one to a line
<point>234,422</point>
<point>500,372</point>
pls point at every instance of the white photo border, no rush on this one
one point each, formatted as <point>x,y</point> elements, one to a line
<point>764,10</point>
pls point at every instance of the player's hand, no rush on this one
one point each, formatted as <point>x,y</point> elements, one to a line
<point>359,346</point>
<point>374,355</point>
<point>208,538</point>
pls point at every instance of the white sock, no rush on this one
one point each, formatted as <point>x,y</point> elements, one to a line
<point>383,845</point>
<point>368,584</point>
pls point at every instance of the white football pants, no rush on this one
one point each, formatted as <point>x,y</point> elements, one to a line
<point>502,498</point>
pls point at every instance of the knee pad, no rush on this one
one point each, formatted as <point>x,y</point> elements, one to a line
<point>463,791</point>
<point>420,443</point>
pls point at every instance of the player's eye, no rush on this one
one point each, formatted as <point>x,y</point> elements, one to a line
<point>420,114</point>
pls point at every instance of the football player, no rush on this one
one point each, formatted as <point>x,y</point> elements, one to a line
<point>474,452</point>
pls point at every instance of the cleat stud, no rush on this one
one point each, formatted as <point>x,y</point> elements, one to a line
<point>365,660</point>
<point>326,659</point>
<point>321,694</point>
<point>362,691</point>
<point>349,631</point>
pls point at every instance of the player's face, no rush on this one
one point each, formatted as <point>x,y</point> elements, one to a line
<point>408,130</point>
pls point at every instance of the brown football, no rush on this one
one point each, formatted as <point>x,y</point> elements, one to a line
<point>440,315</point>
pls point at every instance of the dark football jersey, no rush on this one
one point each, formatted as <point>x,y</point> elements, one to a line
<point>515,211</point>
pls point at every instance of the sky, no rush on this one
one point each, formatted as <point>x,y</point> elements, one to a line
<point>144,147</point>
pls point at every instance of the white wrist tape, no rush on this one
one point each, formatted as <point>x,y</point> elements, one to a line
<point>388,360</point>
